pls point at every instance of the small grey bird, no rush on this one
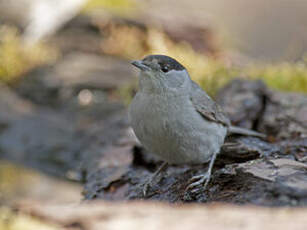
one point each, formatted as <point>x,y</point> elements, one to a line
<point>175,119</point>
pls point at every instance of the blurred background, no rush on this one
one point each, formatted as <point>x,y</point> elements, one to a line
<point>65,72</point>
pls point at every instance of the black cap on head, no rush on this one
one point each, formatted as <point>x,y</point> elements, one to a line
<point>165,62</point>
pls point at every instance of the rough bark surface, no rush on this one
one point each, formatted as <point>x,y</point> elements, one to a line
<point>269,172</point>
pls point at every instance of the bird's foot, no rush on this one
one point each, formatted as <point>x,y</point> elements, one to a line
<point>196,181</point>
<point>196,187</point>
<point>202,179</point>
<point>156,177</point>
<point>150,183</point>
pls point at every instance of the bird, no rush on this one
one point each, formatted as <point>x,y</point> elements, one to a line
<point>176,120</point>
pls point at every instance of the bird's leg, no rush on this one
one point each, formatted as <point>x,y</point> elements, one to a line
<point>154,176</point>
<point>200,179</point>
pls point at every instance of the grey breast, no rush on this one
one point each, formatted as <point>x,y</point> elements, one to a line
<point>175,131</point>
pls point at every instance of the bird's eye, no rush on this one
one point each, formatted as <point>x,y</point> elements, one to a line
<point>164,69</point>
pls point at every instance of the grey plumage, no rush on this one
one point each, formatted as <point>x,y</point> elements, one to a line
<point>206,106</point>
<point>174,118</point>
<point>213,112</point>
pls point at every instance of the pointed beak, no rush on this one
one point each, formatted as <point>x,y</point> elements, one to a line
<point>140,65</point>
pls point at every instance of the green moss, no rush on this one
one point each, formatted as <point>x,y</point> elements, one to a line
<point>285,76</point>
<point>209,72</point>
<point>16,58</point>
<point>12,220</point>
<point>121,7</point>
<point>216,77</point>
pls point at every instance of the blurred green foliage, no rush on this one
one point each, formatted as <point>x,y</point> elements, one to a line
<point>17,58</point>
<point>133,43</point>
<point>121,7</point>
<point>12,220</point>
<point>284,76</point>
<point>211,73</point>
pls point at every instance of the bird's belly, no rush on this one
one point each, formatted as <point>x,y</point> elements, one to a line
<point>177,135</point>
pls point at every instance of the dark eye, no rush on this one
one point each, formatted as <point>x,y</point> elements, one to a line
<point>164,68</point>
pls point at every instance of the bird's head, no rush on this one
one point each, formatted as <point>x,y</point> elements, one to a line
<point>160,73</point>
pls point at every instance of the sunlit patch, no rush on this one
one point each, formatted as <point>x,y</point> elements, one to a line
<point>85,97</point>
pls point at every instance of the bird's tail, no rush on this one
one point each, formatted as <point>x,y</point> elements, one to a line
<point>243,131</point>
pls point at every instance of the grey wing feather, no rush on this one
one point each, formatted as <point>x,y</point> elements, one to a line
<point>206,106</point>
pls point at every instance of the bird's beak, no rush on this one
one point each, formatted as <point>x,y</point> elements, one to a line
<point>140,65</point>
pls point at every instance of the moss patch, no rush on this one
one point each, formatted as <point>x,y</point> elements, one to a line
<point>211,73</point>
<point>16,58</point>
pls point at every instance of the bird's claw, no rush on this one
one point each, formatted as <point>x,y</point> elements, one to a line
<point>196,181</point>
<point>155,177</point>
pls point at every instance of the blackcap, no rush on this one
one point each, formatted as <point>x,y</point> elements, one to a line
<point>175,119</point>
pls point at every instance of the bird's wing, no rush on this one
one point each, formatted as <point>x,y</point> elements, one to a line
<point>206,106</point>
